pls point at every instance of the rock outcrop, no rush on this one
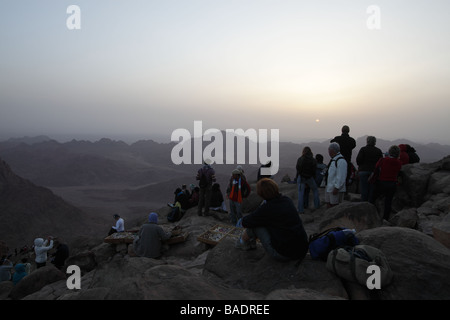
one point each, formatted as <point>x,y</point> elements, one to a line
<point>415,242</point>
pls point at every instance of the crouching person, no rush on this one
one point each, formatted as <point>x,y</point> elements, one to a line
<point>151,239</point>
<point>276,224</point>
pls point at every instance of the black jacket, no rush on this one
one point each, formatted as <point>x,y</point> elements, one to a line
<point>347,144</point>
<point>279,216</point>
<point>306,166</point>
<point>367,158</point>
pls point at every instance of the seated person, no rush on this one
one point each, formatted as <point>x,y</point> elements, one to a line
<point>119,227</point>
<point>151,238</point>
<point>195,196</point>
<point>217,202</point>
<point>276,224</point>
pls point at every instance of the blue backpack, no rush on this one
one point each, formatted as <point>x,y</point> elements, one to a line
<point>320,244</point>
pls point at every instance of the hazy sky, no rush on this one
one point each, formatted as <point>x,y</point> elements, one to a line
<point>303,67</point>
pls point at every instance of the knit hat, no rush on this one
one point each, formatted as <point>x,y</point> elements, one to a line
<point>153,217</point>
<point>236,171</point>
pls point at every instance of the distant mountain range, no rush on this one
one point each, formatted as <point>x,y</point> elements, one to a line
<point>110,162</point>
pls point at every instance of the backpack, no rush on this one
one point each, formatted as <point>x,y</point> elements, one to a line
<point>351,263</point>
<point>307,168</point>
<point>325,178</point>
<point>320,244</point>
<point>413,156</point>
<point>176,214</point>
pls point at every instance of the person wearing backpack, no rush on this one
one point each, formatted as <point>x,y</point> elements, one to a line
<point>336,176</point>
<point>306,174</point>
<point>347,144</point>
<point>206,177</point>
<point>238,189</point>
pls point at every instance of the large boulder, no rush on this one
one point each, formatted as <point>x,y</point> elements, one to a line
<point>353,215</point>
<point>256,271</point>
<point>407,218</point>
<point>415,179</point>
<point>421,265</point>
<point>139,278</point>
<point>35,281</point>
<point>441,231</point>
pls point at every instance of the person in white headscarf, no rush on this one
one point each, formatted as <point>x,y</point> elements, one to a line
<point>41,248</point>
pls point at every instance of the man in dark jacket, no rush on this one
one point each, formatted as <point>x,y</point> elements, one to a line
<point>61,254</point>
<point>366,159</point>
<point>206,177</point>
<point>347,145</point>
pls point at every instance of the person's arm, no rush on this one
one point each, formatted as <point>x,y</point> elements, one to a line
<point>164,235</point>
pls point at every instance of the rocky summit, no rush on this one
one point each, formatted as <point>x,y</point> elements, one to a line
<point>415,241</point>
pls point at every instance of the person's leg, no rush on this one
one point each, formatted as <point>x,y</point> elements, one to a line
<point>208,192</point>
<point>201,201</point>
<point>313,186</point>
<point>390,187</point>
<point>264,236</point>
<point>364,185</point>
<point>232,213</point>
<point>238,211</point>
<point>306,197</point>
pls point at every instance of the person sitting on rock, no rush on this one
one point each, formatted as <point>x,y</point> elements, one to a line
<point>119,227</point>
<point>276,224</point>
<point>150,240</point>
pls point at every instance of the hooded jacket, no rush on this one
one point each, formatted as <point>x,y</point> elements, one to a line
<point>41,248</point>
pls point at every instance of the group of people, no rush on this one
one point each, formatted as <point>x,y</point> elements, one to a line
<point>311,172</point>
<point>15,273</point>
<point>276,222</point>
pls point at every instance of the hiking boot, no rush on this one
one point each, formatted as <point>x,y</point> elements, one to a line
<point>245,245</point>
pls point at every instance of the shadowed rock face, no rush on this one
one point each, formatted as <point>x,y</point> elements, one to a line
<point>28,211</point>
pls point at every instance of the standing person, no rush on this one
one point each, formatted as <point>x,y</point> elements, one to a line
<point>237,190</point>
<point>276,224</point>
<point>347,144</point>
<point>41,248</point>
<point>366,159</point>
<point>150,240</point>
<point>336,176</point>
<point>320,174</point>
<point>306,174</point>
<point>387,181</point>
<point>61,254</point>
<point>206,177</point>
<point>119,227</point>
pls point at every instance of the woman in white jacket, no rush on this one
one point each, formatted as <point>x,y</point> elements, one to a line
<point>40,248</point>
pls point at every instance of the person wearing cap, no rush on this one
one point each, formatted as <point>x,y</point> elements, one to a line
<point>119,227</point>
<point>238,188</point>
<point>206,177</point>
<point>150,240</point>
